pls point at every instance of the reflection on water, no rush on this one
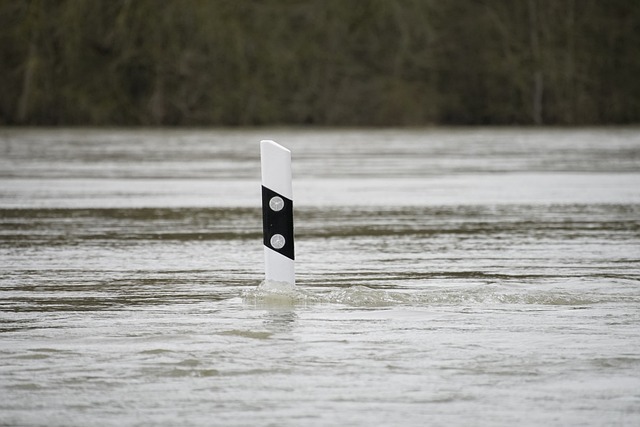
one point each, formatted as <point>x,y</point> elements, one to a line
<point>442,274</point>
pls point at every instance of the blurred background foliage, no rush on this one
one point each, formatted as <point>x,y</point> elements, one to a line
<point>319,62</point>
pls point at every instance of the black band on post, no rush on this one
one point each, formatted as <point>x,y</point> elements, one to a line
<point>277,219</point>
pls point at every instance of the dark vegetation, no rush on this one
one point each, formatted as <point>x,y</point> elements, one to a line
<point>319,62</point>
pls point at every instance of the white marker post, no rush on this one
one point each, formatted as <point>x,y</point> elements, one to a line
<point>277,212</point>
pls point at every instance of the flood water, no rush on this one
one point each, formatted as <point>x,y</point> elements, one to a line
<point>445,277</point>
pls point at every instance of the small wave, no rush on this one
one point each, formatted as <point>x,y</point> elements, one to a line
<point>274,294</point>
<point>362,296</point>
<point>259,335</point>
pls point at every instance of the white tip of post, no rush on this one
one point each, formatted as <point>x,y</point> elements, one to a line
<point>276,167</point>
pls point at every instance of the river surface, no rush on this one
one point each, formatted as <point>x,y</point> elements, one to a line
<point>444,277</point>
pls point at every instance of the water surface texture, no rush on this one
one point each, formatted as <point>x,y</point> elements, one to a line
<point>445,277</point>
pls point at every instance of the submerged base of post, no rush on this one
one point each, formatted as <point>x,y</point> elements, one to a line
<point>278,268</point>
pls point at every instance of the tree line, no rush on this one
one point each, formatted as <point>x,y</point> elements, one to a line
<point>319,62</point>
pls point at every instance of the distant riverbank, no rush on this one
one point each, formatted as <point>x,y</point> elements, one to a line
<point>321,63</point>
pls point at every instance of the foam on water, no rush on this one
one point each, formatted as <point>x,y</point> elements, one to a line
<point>274,293</point>
<point>269,294</point>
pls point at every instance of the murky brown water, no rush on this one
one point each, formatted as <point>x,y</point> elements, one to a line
<point>445,277</point>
